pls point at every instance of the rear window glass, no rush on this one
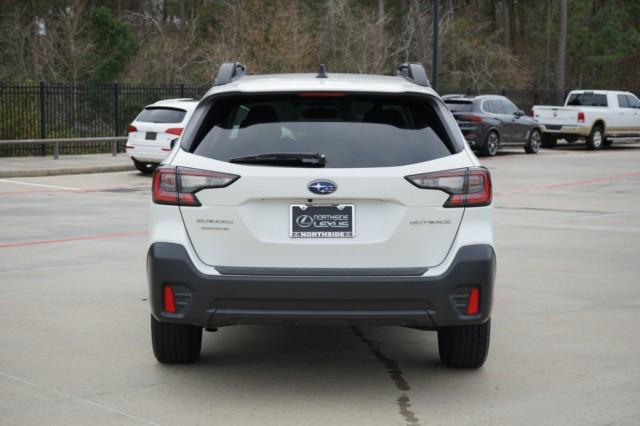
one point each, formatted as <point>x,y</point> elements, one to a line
<point>587,99</point>
<point>161,115</point>
<point>459,106</point>
<point>350,131</point>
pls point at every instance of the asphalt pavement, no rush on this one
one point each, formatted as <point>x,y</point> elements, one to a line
<point>74,317</point>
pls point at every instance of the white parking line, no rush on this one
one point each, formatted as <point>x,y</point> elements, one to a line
<point>39,184</point>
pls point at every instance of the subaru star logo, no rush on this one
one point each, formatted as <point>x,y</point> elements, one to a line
<point>322,187</point>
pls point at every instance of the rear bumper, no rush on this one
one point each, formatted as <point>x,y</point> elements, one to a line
<point>565,129</point>
<point>220,300</point>
<point>475,136</point>
<point>152,154</point>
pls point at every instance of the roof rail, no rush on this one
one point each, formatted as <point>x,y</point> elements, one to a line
<point>228,72</point>
<point>415,73</point>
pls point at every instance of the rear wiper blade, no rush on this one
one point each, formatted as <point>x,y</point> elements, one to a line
<point>284,159</point>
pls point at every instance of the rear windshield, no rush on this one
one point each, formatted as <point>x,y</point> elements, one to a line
<point>459,106</point>
<point>350,130</point>
<point>161,115</point>
<point>587,99</point>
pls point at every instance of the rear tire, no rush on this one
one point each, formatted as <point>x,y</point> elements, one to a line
<point>532,146</point>
<point>175,343</point>
<point>146,168</point>
<point>491,144</point>
<point>549,141</point>
<point>595,138</point>
<point>464,346</point>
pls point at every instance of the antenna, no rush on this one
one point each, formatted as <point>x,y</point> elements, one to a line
<point>322,72</point>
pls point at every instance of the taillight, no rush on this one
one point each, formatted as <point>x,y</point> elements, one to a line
<point>470,187</point>
<point>580,117</point>
<point>131,128</point>
<point>472,118</point>
<point>175,131</point>
<point>178,186</point>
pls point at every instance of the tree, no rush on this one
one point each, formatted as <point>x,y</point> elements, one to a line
<point>114,45</point>
<point>562,46</point>
<point>508,23</point>
<point>491,43</point>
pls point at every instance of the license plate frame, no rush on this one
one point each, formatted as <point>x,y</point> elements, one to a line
<point>150,136</point>
<point>336,221</point>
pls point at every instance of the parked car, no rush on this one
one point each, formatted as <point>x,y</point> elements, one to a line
<point>490,121</point>
<point>600,117</point>
<point>328,199</point>
<point>155,129</point>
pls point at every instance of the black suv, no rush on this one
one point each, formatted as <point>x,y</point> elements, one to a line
<point>490,121</point>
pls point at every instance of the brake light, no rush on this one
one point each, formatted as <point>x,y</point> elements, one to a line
<point>472,118</point>
<point>321,94</point>
<point>175,131</point>
<point>470,187</point>
<point>131,128</point>
<point>580,117</point>
<point>178,186</point>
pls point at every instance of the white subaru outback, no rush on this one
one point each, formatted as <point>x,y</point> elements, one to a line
<point>321,199</point>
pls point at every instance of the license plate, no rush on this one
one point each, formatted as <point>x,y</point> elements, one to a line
<point>322,221</point>
<point>151,136</point>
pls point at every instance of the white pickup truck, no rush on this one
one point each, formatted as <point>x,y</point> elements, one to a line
<point>598,116</point>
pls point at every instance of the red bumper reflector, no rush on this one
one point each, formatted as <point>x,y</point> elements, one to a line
<point>474,301</point>
<point>169,300</point>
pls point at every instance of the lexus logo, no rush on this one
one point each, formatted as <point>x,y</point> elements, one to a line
<point>304,221</point>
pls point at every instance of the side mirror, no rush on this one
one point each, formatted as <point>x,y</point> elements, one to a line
<point>519,113</point>
<point>173,143</point>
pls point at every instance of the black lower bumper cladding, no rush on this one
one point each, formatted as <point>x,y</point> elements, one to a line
<point>367,299</point>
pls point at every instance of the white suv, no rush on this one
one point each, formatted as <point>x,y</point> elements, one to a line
<point>321,199</point>
<point>155,129</point>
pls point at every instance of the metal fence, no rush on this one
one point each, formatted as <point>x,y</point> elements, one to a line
<point>65,110</point>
